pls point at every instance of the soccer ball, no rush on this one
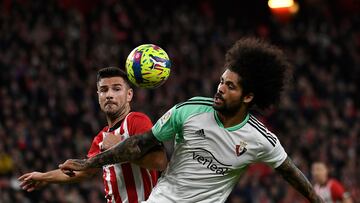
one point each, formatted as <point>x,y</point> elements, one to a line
<point>148,66</point>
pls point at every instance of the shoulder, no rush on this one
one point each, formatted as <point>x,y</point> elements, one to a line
<point>138,117</point>
<point>196,101</point>
<point>190,108</point>
<point>195,105</point>
<point>337,189</point>
<point>333,183</point>
<point>263,135</point>
<point>138,122</point>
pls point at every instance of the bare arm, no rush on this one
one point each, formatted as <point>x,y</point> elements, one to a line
<point>153,160</point>
<point>35,180</point>
<point>129,150</point>
<point>297,179</point>
<point>347,200</point>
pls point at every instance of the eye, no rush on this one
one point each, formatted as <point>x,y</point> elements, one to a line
<point>231,86</point>
<point>103,89</point>
<point>117,88</point>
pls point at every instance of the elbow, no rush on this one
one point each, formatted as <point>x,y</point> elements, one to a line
<point>160,164</point>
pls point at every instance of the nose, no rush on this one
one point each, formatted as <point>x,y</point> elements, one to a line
<point>109,94</point>
<point>221,88</point>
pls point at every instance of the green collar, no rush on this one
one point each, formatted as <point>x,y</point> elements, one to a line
<point>232,128</point>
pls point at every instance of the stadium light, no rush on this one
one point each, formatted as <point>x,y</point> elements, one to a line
<point>283,10</point>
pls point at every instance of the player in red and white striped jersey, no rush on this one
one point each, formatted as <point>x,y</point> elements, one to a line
<point>124,183</point>
<point>329,189</point>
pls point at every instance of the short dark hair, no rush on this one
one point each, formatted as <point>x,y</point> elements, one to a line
<point>109,72</point>
<point>263,70</point>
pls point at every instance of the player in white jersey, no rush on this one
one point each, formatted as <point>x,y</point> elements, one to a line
<point>217,139</point>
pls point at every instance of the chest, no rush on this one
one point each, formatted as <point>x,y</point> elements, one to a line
<point>207,141</point>
<point>324,192</point>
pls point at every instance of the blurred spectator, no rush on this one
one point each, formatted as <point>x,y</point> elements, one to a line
<point>329,189</point>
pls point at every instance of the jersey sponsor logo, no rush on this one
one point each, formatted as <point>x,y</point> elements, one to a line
<point>240,148</point>
<point>165,117</point>
<point>207,159</point>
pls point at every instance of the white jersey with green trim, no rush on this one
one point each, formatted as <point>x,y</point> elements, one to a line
<point>208,159</point>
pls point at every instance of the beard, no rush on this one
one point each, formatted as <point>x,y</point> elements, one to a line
<point>225,108</point>
<point>112,113</point>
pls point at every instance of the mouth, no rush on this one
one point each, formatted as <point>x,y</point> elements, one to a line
<point>218,98</point>
<point>110,103</point>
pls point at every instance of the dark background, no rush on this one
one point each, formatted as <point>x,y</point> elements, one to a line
<point>50,52</point>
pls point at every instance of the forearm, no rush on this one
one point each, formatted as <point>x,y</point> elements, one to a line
<point>57,176</point>
<point>297,179</point>
<point>129,150</point>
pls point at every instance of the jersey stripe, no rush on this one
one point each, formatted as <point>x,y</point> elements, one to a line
<point>138,182</point>
<point>205,99</point>
<point>116,196</point>
<point>107,183</point>
<point>147,180</point>
<point>129,181</point>
<point>260,131</point>
<point>120,183</point>
<point>194,103</point>
<point>262,126</point>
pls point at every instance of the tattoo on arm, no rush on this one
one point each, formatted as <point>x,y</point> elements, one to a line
<point>130,149</point>
<point>297,179</point>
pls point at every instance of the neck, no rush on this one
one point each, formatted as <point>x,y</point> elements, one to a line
<point>115,118</point>
<point>232,119</point>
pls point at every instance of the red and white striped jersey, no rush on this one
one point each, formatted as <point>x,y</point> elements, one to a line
<point>126,183</point>
<point>331,192</point>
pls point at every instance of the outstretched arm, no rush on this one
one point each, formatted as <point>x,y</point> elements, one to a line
<point>130,149</point>
<point>35,180</point>
<point>297,179</point>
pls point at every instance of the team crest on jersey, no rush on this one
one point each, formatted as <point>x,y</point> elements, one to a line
<point>240,148</point>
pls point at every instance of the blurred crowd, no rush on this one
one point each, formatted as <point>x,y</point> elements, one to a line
<point>50,52</point>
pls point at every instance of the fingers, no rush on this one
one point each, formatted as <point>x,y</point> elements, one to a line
<point>29,185</point>
<point>26,175</point>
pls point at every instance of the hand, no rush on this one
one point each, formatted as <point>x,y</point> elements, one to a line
<point>32,181</point>
<point>71,165</point>
<point>110,140</point>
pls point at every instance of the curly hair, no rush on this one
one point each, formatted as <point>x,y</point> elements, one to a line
<point>263,69</point>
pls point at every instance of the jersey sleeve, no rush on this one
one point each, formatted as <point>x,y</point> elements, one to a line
<point>171,123</point>
<point>272,154</point>
<point>138,123</point>
<point>168,125</point>
<point>337,191</point>
<point>95,147</point>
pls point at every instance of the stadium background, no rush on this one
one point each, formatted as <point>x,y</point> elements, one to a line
<point>50,52</point>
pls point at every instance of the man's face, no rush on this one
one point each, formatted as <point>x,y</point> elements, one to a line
<point>228,97</point>
<point>319,172</point>
<point>113,95</point>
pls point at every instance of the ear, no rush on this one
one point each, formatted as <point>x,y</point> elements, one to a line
<point>248,98</point>
<point>129,95</point>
